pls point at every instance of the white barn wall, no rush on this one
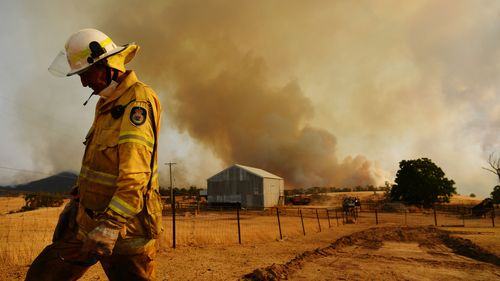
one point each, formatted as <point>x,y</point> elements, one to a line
<point>273,189</point>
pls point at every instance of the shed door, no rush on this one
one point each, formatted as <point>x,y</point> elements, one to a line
<point>249,202</point>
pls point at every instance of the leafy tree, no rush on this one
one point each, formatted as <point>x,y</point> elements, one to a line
<point>472,195</point>
<point>421,182</point>
<point>193,191</point>
<point>495,194</point>
<point>164,191</point>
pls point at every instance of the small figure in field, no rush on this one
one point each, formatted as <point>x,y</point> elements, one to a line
<point>349,209</point>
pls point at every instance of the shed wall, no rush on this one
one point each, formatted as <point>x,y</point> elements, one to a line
<point>273,189</point>
<point>236,185</point>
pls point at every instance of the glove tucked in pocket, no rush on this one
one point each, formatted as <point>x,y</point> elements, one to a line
<point>102,239</point>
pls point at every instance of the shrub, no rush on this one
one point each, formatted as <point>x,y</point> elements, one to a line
<point>42,199</point>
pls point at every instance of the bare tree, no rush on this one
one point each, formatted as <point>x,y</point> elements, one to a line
<point>494,163</point>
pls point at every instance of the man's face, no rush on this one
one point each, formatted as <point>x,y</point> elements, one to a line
<point>94,77</point>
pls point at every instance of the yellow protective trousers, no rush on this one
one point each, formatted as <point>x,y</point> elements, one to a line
<point>64,261</point>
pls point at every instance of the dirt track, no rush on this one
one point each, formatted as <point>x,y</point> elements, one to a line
<point>390,253</point>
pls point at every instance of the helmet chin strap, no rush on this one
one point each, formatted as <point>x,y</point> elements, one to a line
<point>108,75</point>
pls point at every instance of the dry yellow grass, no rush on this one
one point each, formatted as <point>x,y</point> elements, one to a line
<point>24,235</point>
<point>335,198</point>
<point>465,200</point>
<point>9,204</point>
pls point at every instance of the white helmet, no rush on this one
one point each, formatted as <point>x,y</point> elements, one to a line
<point>83,49</point>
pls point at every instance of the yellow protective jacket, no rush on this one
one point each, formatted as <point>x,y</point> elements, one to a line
<point>118,179</point>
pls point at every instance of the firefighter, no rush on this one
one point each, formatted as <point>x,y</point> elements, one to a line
<point>114,216</point>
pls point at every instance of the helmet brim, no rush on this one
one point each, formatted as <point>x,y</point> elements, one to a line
<point>60,66</point>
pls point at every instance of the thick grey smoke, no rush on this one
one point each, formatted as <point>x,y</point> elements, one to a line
<point>295,87</point>
<point>225,96</point>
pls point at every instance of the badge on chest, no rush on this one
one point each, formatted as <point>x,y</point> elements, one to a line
<point>138,115</point>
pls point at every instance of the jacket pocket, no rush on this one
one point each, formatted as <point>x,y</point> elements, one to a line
<point>107,139</point>
<point>153,214</point>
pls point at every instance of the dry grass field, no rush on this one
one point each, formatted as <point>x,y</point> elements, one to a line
<point>9,204</point>
<point>23,235</point>
<point>465,200</point>
<point>207,245</point>
<point>335,198</point>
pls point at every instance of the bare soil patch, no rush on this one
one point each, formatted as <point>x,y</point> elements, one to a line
<point>390,253</point>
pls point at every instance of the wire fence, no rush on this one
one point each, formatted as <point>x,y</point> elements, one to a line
<point>198,226</point>
<point>24,234</point>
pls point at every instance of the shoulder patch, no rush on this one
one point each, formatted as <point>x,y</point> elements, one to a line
<point>138,115</point>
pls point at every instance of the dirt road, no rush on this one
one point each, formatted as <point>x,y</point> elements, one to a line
<point>350,252</point>
<point>390,253</point>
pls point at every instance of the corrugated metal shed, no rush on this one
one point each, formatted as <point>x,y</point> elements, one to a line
<point>252,187</point>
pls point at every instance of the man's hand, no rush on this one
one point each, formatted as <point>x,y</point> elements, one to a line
<point>67,220</point>
<point>101,240</point>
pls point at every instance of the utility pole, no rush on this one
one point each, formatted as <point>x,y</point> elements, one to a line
<point>172,203</point>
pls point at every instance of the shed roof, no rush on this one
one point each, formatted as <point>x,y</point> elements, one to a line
<point>258,172</point>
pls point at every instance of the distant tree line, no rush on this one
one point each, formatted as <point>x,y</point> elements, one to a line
<point>322,190</point>
<point>42,199</point>
<point>191,191</point>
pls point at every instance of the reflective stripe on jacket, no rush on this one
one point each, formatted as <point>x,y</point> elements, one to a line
<point>116,166</point>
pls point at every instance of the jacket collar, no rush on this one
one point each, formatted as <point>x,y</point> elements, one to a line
<point>129,80</point>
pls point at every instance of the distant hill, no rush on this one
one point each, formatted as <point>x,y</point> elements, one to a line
<point>62,182</point>
<point>6,190</point>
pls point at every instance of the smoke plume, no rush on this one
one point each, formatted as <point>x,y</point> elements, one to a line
<point>225,96</point>
<point>312,91</point>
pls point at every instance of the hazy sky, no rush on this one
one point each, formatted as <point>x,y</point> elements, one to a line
<point>331,93</point>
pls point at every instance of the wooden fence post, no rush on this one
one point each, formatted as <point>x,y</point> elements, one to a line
<point>337,217</point>
<point>173,219</point>
<point>376,216</point>
<point>302,220</point>
<point>279,223</point>
<point>435,216</point>
<point>328,216</point>
<point>238,218</point>
<point>317,217</point>
<point>493,216</point>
